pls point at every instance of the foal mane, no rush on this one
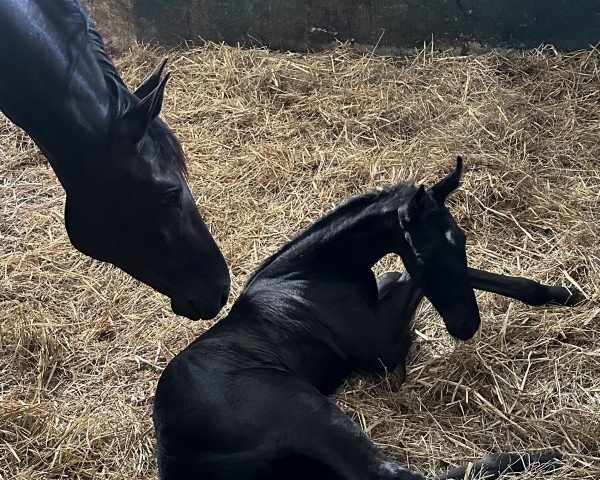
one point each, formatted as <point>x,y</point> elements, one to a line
<point>347,215</point>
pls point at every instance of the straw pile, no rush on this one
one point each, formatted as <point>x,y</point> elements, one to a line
<point>275,140</point>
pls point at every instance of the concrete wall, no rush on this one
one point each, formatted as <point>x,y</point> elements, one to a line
<point>114,21</point>
<point>302,24</point>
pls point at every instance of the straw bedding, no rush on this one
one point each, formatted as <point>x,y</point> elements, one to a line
<point>274,140</point>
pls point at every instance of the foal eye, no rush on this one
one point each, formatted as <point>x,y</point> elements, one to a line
<point>421,259</point>
<point>171,199</point>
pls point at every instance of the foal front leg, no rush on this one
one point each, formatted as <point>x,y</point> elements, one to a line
<point>389,331</point>
<point>399,298</point>
<point>523,289</point>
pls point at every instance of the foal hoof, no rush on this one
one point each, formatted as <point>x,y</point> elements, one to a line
<point>575,299</point>
<point>393,471</point>
<point>396,378</point>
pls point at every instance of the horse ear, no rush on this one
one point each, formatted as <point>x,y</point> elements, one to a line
<point>447,185</point>
<point>414,207</point>
<point>151,82</point>
<point>135,120</point>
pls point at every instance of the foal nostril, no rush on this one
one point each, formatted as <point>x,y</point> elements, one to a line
<point>224,296</point>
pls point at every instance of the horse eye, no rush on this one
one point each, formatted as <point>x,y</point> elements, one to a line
<point>171,199</point>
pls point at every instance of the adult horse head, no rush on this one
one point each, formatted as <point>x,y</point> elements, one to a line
<point>128,202</point>
<point>140,215</point>
<point>434,254</point>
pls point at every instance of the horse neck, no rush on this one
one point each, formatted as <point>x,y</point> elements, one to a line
<point>362,244</point>
<point>355,235</point>
<point>58,85</point>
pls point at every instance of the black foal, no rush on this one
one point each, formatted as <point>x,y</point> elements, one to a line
<point>248,399</point>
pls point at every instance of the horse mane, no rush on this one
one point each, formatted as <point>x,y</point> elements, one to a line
<point>358,208</point>
<point>166,142</point>
<point>90,38</point>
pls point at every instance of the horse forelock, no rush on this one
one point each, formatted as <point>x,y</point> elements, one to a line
<point>169,148</point>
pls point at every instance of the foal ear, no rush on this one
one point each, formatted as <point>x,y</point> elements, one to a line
<point>134,122</point>
<point>415,206</point>
<point>447,185</point>
<point>151,82</point>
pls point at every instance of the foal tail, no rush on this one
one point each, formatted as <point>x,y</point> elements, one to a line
<point>492,466</point>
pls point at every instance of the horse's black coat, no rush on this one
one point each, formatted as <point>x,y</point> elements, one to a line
<point>123,170</point>
<point>248,399</point>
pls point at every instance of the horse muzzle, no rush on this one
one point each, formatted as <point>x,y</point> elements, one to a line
<point>197,309</point>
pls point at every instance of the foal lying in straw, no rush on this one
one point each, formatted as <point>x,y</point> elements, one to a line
<point>248,399</point>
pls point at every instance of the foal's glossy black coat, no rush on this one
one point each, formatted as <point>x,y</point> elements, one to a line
<point>123,170</point>
<point>248,399</point>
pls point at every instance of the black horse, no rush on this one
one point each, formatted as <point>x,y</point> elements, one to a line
<point>248,399</point>
<point>122,168</point>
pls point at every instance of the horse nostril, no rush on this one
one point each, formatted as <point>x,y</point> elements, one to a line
<point>224,296</point>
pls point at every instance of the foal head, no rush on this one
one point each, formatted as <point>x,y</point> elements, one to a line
<point>435,255</point>
<point>134,208</point>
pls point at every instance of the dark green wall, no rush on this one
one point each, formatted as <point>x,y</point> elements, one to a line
<point>298,25</point>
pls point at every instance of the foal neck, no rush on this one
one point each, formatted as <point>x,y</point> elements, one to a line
<point>356,234</point>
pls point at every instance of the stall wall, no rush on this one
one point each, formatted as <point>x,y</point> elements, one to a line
<point>310,24</point>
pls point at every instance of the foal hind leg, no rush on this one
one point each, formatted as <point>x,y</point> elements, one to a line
<point>302,426</point>
<point>493,466</point>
